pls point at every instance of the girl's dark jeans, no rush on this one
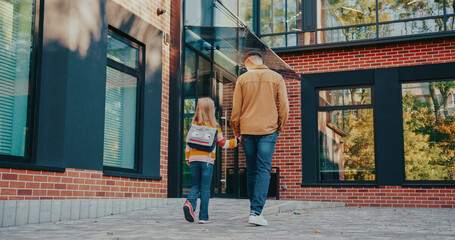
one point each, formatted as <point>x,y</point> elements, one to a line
<point>201,178</point>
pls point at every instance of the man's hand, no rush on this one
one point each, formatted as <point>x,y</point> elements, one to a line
<point>239,137</point>
<point>187,162</point>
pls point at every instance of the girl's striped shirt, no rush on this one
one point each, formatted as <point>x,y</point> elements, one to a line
<point>203,156</point>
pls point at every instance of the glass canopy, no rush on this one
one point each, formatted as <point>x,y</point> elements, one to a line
<point>218,34</point>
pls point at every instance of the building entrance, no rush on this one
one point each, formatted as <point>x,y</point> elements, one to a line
<point>204,78</point>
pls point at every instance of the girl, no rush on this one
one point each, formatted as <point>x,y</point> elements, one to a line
<point>201,163</point>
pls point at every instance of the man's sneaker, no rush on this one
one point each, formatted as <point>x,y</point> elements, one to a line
<point>204,221</point>
<point>188,210</point>
<point>257,220</point>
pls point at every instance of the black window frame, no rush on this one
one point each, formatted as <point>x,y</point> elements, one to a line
<point>309,20</point>
<point>139,73</point>
<point>341,108</point>
<point>388,120</point>
<point>27,161</point>
<point>423,73</point>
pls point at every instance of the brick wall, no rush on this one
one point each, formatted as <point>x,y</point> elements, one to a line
<point>288,150</point>
<point>18,184</point>
<point>146,9</point>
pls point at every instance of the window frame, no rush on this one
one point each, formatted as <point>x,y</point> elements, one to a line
<point>139,73</point>
<point>388,120</point>
<point>32,98</point>
<point>342,108</point>
<point>308,24</point>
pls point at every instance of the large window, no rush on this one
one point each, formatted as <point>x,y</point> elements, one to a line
<point>121,114</point>
<point>280,16</point>
<point>350,20</point>
<point>289,23</point>
<point>346,135</point>
<point>429,130</point>
<point>16,40</point>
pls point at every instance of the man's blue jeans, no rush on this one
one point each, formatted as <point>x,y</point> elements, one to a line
<point>258,153</point>
<point>201,174</point>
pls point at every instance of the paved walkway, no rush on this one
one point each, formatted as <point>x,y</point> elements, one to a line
<point>229,222</point>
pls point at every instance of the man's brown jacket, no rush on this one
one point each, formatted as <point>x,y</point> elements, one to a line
<point>260,104</point>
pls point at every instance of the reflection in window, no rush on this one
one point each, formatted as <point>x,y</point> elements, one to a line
<point>280,16</point>
<point>343,97</point>
<point>429,130</point>
<point>121,102</point>
<point>15,47</point>
<point>189,107</point>
<point>190,76</point>
<point>350,20</point>
<point>246,12</point>
<point>193,13</point>
<point>272,16</point>
<point>400,10</point>
<point>122,52</point>
<point>450,6</point>
<point>336,13</point>
<point>222,17</point>
<point>451,23</point>
<point>204,77</point>
<point>411,27</point>
<point>275,41</point>
<point>346,135</point>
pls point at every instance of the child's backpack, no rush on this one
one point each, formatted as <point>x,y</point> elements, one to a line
<point>201,137</point>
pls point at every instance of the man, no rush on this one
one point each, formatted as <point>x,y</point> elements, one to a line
<point>259,113</point>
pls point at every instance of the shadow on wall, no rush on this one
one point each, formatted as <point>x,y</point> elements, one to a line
<point>74,24</point>
<point>142,31</point>
<point>77,24</point>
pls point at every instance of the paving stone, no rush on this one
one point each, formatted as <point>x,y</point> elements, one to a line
<point>229,222</point>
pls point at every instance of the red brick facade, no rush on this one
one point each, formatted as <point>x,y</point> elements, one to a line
<point>16,184</point>
<point>288,152</point>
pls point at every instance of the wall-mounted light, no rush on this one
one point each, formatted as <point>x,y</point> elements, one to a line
<point>160,11</point>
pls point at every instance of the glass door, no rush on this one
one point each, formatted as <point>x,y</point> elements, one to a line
<point>197,84</point>
<point>202,78</point>
<point>226,164</point>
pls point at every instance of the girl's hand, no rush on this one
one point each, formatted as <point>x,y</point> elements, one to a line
<point>187,162</point>
<point>239,138</point>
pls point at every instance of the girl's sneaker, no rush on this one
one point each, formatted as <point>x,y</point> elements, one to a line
<point>204,221</point>
<point>188,211</point>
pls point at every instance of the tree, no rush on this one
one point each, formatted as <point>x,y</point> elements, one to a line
<point>359,145</point>
<point>444,88</point>
<point>425,158</point>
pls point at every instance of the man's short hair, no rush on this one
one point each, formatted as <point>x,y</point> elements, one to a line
<point>251,53</point>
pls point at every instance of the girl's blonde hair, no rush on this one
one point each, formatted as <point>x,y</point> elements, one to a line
<point>205,112</point>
